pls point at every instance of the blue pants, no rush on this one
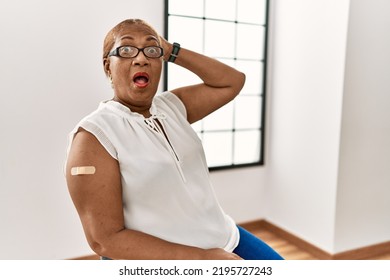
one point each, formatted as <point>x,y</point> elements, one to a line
<point>252,248</point>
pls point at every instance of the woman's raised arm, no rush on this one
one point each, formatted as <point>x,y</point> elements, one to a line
<point>221,83</point>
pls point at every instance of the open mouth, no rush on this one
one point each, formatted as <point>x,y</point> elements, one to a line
<point>141,79</point>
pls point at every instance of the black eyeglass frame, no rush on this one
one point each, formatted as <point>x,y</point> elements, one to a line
<point>115,52</point>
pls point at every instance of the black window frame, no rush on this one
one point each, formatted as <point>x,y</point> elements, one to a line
<point>263,94</point>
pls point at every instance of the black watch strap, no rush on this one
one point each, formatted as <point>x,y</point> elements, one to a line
<point>175,52</point>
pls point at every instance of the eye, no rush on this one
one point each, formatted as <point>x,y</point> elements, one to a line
<point>127,51</point>
<point>153,51</point>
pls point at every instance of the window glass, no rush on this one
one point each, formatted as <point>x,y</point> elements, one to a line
<point>250,41</point>
<point>180,7</point>
<point>185,29</point>
<point>247,113</point>
<point>221,119</point>
<point>217,9</point>
<point>217,43</point>
<point>247,146</point>
<point>252,11</point>
<point>218,147</point>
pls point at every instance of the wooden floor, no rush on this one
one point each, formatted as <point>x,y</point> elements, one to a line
<point>291,252</point>
<point>286,249</point>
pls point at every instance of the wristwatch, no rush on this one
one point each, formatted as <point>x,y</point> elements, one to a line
<point>175,52</point>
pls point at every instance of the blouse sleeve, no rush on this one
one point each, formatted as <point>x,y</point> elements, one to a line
<point>98,133</point>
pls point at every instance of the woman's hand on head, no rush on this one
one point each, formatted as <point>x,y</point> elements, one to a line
<point>167,48</point>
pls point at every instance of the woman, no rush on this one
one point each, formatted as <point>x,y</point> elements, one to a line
<point>136,170</point>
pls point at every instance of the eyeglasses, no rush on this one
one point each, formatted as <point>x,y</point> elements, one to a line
<point>131,52</point>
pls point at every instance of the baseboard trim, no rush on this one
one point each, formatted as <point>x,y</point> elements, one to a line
<point>367,252</point>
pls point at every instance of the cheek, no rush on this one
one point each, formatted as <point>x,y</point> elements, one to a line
<point>157,71</point>
<point>119,68</point>
<point>120,72</point>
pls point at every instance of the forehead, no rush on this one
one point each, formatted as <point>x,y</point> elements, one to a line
<point>136,33</point>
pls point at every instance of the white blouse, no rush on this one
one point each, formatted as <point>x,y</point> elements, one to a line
<point>165,179</point>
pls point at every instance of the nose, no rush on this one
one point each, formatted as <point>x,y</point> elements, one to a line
<point>140,59</point>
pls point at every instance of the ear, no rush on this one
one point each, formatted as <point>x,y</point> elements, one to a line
<point>106,65</point>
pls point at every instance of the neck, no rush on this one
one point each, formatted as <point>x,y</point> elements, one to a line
<point>143,110</point>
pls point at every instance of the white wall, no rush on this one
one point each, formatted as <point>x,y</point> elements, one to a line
<point>308,53</point>
<point>363,199</point>
<point>241,192</point>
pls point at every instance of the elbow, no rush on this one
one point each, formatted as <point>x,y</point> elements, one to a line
<point>100,245</point>
<point>235,87</point>
<point>104,244</point>
<point>99,248</point>
<point>240,82</point>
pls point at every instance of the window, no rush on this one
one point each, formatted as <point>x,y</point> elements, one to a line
<point>234,32</point>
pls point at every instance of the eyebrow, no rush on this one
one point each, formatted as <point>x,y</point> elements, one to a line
<point>148,39</point>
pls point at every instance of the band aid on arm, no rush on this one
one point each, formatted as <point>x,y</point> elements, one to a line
<point>83,170</point>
